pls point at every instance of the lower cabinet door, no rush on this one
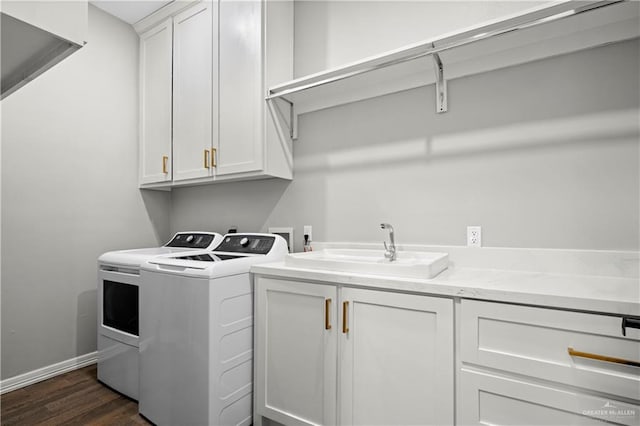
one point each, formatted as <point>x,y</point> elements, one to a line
<point>396,359</point>
<point>295,352</point>
<point>486,398</point>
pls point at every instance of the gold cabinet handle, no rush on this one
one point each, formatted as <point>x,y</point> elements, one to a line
<point>206,158</point>
<point>345,321</point>
<point>327,314</point>
<point>213,157</point>
<point>597,357</point>
<point>165,158</point>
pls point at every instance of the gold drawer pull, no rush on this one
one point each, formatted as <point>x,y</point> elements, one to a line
<point>213,157</point>
<point>206,158</point>
<point>327,314</point>
<point>588,355</point>
<point>345,323</point>
<point>164,164</point>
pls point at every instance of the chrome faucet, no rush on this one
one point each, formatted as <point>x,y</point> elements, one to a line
<point>390,251</point>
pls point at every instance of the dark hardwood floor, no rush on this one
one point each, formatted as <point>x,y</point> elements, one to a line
<point>74,398</point>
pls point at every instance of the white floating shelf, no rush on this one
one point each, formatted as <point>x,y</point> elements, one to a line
<point>532,35</point>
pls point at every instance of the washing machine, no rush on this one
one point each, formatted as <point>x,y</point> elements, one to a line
<point>118,306</point>
<point>196,332</point>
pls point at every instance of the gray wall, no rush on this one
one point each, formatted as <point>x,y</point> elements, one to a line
<point>69,193</point>
<point>330,34</point>
<point>542,155</point>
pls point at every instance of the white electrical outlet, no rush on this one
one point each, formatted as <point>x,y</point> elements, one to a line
<point>307,231</point>
<point>474,236</point>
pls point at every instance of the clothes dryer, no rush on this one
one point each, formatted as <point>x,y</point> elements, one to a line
<point>118,306</point>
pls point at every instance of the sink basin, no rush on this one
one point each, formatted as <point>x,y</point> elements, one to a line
<point>409,264</point>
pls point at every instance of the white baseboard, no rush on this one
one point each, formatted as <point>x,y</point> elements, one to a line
<point>44,373</point>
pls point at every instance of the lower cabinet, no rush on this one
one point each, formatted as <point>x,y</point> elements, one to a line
<point>327,354</point>
<point>530,365</point>
<point>490,398</point>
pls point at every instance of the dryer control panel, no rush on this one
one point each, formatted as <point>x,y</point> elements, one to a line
<point>191,240</point>
<point>246,243</point>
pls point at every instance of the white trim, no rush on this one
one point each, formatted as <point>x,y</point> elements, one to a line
<point>44,373</point>
<point>167,11</point>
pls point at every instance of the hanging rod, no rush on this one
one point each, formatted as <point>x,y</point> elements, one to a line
<point>528,20</point>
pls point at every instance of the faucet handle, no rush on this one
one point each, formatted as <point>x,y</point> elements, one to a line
<point>385,246</point>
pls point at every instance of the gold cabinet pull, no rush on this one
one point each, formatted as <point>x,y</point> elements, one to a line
<point>165,158</point>
<point>206,158</point>
<point>597,357</point>
<point>327,314</point>
<point>345,321</point>
<point>213,157</point>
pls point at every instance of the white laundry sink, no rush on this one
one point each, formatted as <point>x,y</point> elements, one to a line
<point>408,264</point>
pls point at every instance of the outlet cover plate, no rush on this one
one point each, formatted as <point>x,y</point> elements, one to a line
<point>308,230</point>
<point>474,236</point>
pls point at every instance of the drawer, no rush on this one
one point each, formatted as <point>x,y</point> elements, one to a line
<point>494,399</point>
<point>536,342</point>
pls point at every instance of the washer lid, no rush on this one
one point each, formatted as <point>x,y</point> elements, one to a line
<point>241,252</point>
<point>136,257</point>
<point>208,257</point>
<point>182,242</point>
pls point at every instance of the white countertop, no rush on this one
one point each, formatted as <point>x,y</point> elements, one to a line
<point>618,295</point>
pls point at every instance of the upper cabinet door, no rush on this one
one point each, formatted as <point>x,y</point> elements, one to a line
<point>155,104</point>
<point>194,74</point>
<point>241,97</point>
<point>396,359</point>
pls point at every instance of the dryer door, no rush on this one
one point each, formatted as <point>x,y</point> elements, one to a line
<point>118,305</point>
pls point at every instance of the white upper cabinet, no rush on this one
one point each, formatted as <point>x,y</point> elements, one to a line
<point>256,49</point>
<point>195,65</point>
<point>241,95</point>
<point>220,125</point>
<point>155,103</point>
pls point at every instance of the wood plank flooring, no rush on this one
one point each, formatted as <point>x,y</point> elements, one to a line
<point>74,398</point>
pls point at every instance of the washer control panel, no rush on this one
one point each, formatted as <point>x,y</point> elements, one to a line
<point>191,240</point>
<point>246,243</point>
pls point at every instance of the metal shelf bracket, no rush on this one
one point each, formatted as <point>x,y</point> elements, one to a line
<point>281,125</point>
<point>441,84</point>
<point>289,122</point>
